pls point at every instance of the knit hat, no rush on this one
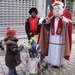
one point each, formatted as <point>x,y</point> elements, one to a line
<point>57,1</point>
<point>10,32</point>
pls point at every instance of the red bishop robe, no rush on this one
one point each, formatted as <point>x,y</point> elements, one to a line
<point>44,36</point>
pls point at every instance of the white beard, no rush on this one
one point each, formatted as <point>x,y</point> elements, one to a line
<point>58,11</point>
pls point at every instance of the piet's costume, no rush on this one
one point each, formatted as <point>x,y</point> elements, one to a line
<point>32,26</point>
<point>50,39</point>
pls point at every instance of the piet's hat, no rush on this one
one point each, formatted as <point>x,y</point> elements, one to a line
<point>33,9</point>
<point>57,1</point>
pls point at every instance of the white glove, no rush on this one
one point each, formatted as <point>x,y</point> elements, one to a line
<point>65,19</point>
<point>41,20</point>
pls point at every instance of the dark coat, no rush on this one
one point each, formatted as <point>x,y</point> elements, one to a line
<point>12,57</point>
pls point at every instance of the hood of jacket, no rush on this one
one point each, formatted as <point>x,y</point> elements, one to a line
<point>8,41</point>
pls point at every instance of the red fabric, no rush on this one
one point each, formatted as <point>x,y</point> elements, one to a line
<point>33,25</point>
<point>50,14</point>
<point>46,54</point>
<point>53,27</point>
<point>55,0</point>
<point>67,15</point>
<point>59,28</point>
<point>26,21</point>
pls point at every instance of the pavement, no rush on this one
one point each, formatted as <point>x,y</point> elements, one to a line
<point>69,69</point>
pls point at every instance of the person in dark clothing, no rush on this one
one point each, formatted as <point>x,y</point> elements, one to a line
<point>1,45</point>
<point>32,26</point>
<point>12,57</point>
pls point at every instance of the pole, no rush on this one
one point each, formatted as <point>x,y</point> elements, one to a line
<point>62,38</point>
<point>61,48</point>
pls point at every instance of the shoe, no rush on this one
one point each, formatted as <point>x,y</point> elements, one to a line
<point>15,73</point>
<point>54,66</point>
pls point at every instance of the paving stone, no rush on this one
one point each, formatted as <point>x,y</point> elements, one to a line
<point>23,54</point>
<point>46,72</point>
<point>5,70</point>
<point>1,58</point>
<point>0,65</point>
<point>24,62</point>
<point>1,69</point>
<point>22,58</point>
<point>69,69</point>
<point>3,62</point>
<point>53,72</point>
<point>21,65</point>
<point>18,68</point>
<point>49,69</point>
<point>57,69</point>
<point>1,73</point>
<point>20,73</point>
<point>6,74</point>
<point>24,69</point>
<point>4,66</point>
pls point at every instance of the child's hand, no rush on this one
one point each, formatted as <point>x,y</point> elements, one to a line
<point>22,47</point>
<point>40,50</point>
<point>33,45</point>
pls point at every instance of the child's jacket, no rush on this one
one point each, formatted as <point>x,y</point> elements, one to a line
<point>12,57</point>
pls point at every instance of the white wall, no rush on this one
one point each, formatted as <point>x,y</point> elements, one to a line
<point>41,6</point>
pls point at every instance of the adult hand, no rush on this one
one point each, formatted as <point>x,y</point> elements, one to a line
<point>42,20</point>
<point>31,35</point>
<point>65,19</point>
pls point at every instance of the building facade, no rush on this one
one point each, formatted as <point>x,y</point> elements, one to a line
<point>13,13</point>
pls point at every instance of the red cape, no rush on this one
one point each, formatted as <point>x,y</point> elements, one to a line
<point>67,15</point>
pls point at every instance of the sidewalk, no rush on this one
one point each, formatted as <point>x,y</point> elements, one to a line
<point>69,69</point>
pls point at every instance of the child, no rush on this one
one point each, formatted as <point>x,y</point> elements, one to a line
<point>12,58</point>
<point>33,46</point>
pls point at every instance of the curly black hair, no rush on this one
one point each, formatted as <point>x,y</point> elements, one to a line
<point>33,9</point>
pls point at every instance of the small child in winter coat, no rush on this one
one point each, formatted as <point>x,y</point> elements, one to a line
<point>12,57</point>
